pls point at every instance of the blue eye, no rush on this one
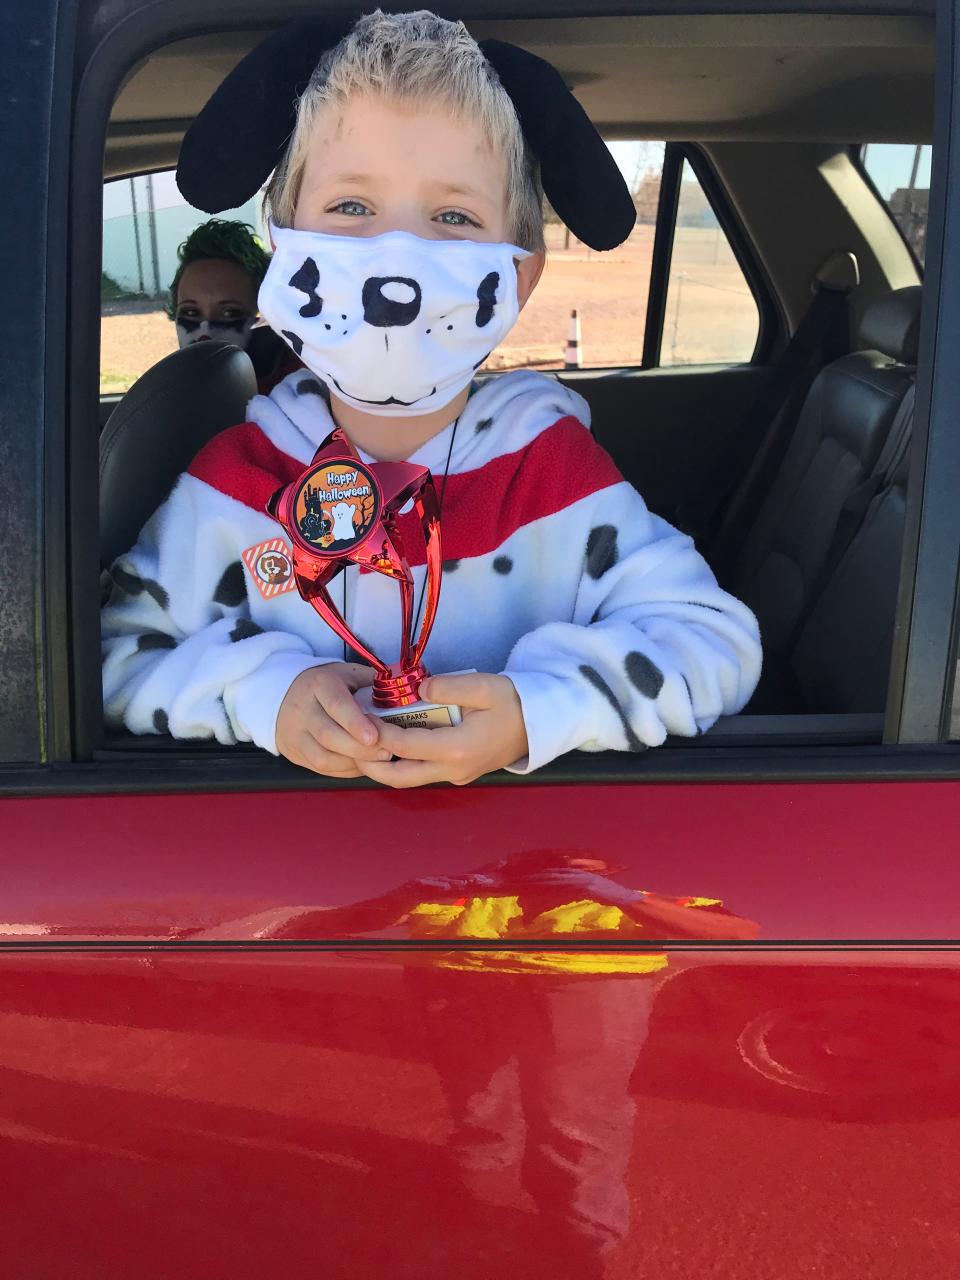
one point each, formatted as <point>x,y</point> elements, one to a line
<point>456,218</point>
<point>352,208</point>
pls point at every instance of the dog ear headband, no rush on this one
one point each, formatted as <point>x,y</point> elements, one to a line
<point>239,137</point>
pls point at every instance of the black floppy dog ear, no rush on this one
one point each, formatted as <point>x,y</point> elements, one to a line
<point>239,137</point>
<point>580,177</point>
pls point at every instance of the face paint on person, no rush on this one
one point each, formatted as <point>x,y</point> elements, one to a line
<point>216,300</point>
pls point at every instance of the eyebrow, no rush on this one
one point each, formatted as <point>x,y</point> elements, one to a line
<point>456,189</point>
<point>446,188</point>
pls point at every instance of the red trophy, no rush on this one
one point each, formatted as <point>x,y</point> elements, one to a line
<point>344,511</point>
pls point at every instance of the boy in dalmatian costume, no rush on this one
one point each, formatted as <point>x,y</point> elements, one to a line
<point>406,219</point>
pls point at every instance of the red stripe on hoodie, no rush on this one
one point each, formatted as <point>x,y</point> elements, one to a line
<point>481,508</point>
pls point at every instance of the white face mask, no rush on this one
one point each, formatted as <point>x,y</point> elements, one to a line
<point>394,324</point>
<point>235,331</point>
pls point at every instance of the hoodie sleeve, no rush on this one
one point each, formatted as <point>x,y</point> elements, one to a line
<point>180,651</point>
<point>655,646</point>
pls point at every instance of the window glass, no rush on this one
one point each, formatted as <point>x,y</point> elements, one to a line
<point>901,174</point>
<point>608,291</point>
<point>598,299</point>
<point>712,316</point>
<point>144,220</point>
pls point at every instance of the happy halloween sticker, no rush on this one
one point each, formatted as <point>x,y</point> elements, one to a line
<point>336,505</point>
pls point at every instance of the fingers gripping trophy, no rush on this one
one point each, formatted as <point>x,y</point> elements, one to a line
<point>342,511</point>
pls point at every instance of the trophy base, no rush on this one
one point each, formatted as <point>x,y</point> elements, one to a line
<point>416,715</point>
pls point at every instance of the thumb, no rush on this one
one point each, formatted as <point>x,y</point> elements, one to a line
<point>471,691</point>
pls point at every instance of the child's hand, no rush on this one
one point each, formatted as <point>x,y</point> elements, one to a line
<point>491,735</point>
<point>321,727</point>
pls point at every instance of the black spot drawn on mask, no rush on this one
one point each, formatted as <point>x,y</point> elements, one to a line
<point>244,629</point>
<point>643,674</point>
<point>385,313</point>
<point>305,280</point>
<point>326,326</point>
<point>428,331</point>
<point>161,721</point>
<point>451,566</point>
<point>487,298</point>
<point>502,564</point>
<point>232,588</point>
<point>593,676</point>
<point>295,342</point>
<point>484,424</point>
<point>342,316</point>
<point>449,327</point>
<point>310,387</point>
<point>602,551</point>
<point>155,640</point>
<point>189,326</point>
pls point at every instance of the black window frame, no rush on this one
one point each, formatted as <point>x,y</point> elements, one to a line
<point>71,759</point>
<point>771,322</point>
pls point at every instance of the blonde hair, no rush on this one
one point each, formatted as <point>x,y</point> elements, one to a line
<point>416,57</point>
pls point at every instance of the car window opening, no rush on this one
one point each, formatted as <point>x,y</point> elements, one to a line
<point>806,530</point>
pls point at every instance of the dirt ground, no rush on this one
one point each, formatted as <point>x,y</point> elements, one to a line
<point>710,317</point>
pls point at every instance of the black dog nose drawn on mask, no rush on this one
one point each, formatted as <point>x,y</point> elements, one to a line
<point>390,301</point>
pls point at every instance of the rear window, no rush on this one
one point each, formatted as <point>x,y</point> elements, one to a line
<point>901,174</point>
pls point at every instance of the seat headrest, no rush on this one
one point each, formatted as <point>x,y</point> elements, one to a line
<point>892,325</point>
<point>157,429</point>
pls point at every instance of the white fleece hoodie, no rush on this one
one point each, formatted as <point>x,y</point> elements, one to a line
<point>606,618</point>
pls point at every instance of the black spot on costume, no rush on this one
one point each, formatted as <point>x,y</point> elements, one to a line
<point>155,640</point>
<point>593,676</point>
<point>602,553</point>
<point>306,279</point>
<point>311,387</point>
<point>132,584</point>
<point>484,424</point>
<point>450,566</point>
<point>245,629</point>
<point>503,565</point>
<point>644,675</point>
<point>161,721</point>
<point>231,589</point>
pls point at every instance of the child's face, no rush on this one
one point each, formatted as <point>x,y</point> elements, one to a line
<point>376,165</point>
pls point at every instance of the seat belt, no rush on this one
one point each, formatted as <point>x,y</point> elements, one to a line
<point>820,338</point>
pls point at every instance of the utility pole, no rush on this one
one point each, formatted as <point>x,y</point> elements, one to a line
<point>152,223</point>
<point>136,235</point>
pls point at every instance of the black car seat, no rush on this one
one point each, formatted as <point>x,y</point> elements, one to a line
<point>836,447</point>
<point>158,427</point>
<point>841,660</point>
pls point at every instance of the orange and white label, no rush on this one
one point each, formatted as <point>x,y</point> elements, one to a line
<point>271,567</point>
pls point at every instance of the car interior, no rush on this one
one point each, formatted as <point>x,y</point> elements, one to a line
<point>790,470</point>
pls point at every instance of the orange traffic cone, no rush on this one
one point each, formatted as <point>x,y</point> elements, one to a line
<point>572,356</point>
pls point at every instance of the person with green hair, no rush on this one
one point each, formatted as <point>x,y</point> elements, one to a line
<point>213,296</point>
